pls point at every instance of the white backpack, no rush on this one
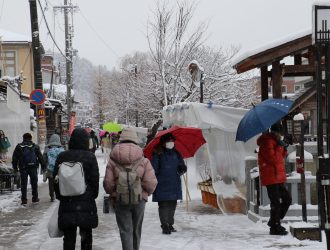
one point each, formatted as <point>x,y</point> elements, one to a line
<point>71,179</point>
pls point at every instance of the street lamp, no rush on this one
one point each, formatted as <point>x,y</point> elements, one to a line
<point>321,39</point>
<point>300,165</point>
<point>197,76</point>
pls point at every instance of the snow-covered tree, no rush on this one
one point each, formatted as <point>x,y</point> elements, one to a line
<point>171,43</point>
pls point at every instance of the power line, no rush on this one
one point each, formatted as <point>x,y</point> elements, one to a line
<point>3,2</point>
<point>50,33</point>
<point>102,40</point>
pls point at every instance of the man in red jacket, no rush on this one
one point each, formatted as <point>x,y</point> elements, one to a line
<point>271,155</point>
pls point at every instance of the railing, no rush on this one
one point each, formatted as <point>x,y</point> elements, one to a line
<point>257,201</point>
<point>8,182</point>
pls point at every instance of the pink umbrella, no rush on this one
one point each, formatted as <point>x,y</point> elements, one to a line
<point>102,133</point>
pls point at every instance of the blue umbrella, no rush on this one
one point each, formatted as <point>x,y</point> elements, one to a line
<point>261,117</point>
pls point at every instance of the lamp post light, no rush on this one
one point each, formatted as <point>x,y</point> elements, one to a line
<point>321,39</point>
<point>197,76</point>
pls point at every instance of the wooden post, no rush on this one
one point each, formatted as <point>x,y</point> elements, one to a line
<point>264,82</point>
<point>302,173</point>
<point>277,79</point>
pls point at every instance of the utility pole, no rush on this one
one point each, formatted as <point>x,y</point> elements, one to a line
<point>68,8</point>
<point>40,109</point>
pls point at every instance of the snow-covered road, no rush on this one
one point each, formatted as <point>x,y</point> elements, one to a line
<point>199,228</point>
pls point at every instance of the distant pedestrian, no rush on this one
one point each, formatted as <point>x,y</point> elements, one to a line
<point>106,144</point>
<point>26,158</point>
<point>78,210</point>
<point>4,146</point>
<point>129,179</point>
<point>272,151</point>
<point>115,138</point>
<point>168,165</point>
<point>94,142</point>
<point>51,151</point>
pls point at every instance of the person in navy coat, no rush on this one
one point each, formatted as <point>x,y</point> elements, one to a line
<point>169,166</point>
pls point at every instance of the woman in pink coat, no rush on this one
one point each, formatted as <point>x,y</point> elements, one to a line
<point>127,154</point>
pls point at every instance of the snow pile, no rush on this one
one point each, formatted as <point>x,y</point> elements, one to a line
<point>9,202</point>
<point>59,91</point>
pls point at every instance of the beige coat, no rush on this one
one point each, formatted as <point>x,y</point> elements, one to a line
<point>127,154</point>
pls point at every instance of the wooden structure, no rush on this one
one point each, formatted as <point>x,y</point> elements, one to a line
<point>300,48</point>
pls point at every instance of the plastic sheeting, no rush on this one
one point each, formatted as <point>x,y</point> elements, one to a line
<point>14,119</point>
<point>222,158</point>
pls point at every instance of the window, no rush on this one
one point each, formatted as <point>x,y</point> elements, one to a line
<point>8,63</point>
<point>297,88</point>
<point>284,89</point>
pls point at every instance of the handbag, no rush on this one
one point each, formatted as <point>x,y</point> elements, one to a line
<point>53,230</point>
<point>4,143</point>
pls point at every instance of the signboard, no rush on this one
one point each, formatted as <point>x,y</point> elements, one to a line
<point>41,113</point>
<point>37,97</point>
<point>72,122</point>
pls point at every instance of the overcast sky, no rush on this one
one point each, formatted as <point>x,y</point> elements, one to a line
<point>105,30</point>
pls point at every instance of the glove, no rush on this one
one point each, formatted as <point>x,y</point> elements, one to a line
<point>283,144</point>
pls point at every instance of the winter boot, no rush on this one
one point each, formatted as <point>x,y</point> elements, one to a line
<point>278,230</point>
<point>173,230</point>
<point>24,202</point>
<point>166,229</point>
<point>35,199</point>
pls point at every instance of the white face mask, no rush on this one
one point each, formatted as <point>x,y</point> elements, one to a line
<point>169,145</point>
<point>282,137</point>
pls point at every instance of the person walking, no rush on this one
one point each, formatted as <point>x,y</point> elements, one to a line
<point>168,165</point>
<point>272,151</point>
<point>94,142</point>
<point>51,151</point>
<point>78,211</point>
<point>127,155</point>
<point>26,159</point>
<point>106,145</point>
<point>4,146</point>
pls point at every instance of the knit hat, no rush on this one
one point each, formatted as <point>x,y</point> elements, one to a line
<point>166,138</point>
<point>54,140</point>
<point>129,134</point>
<point>277,127</point>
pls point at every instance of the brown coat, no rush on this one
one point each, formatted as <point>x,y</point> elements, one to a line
<point>126,154</point>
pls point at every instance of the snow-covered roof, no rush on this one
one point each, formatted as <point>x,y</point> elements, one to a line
<point>242,56</point>
<point>11,37</point>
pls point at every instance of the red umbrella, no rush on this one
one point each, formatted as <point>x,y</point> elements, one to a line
<point>188,141</point>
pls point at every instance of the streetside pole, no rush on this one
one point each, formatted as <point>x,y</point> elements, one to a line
<point>36,48</point>
<point>68,62</point>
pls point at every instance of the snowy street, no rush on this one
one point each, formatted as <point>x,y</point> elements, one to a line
<point>202,227</point>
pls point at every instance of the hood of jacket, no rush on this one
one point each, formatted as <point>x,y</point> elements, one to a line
<point>265,137</point>
<point>54,140</point>
<point>126,153</point>
<point>79,139</point>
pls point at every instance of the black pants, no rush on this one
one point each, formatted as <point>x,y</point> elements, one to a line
<point>166,210</point>
<point>280,201</point>
<point>33,173</point>
<point>50,178</point>
<point>70,234</point>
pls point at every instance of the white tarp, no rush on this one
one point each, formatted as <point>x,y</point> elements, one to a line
<point>222,156</point>
<point>14,119</point>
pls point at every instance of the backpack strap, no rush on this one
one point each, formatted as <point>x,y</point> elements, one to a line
<point>137,163</point>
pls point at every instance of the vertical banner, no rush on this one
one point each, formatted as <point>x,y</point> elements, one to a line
<point>72,122</point>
